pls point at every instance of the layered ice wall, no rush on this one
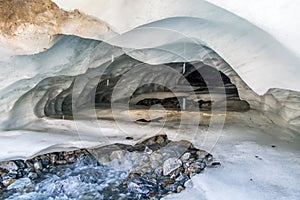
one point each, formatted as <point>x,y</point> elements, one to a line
<point>157,32</point>
<point>262,66</point>
<point>265,55</point>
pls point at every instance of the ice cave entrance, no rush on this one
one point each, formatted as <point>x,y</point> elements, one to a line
<point>125,82</point>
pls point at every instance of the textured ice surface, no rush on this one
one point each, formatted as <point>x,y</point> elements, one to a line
<point>257,163</point>
<point>77,181</point>
<point>252,52</point>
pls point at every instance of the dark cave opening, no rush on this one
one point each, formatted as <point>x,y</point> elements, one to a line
<point>199,88</point>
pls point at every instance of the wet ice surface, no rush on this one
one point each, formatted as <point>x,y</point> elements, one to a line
<point>257,163</point>
<point>82,180</point>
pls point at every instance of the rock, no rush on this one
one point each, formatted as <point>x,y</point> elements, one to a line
<point>32,175</point>
<point>117,154</point>
<point>7,182</point>
<point>71,159</point>
<point>28,170</point>
<point>12,174</point>
<point>21,164</point>
<point>20,183</point>
<point>185,156</point>
<point>167,182</point>
<point>3,171</point>
<point>195,168</point>
<point>61,162</point>
<point>45,161</point>
<point>53,158</point>
<point>170,165</point>
<point>215,163</point>
<point>9,165</point>
<point>182,179</point>
<point>173,149</point>
<point>38,166</point>
<point>20,174</point>
<point>176,172</point>
<point>179,189</point>
<point>208,158</point>
<point>28,164</point>
<point>204,155</point>
<point>154,142</point>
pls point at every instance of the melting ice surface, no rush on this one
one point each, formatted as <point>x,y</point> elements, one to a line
<point>82,180</point>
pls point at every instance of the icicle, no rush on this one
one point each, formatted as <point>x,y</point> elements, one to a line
<point>183,100</point>
<point>112,58</point>
<point>183,68</point>
<point>107,82</point>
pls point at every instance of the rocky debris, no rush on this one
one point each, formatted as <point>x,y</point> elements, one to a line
<point>151,169</point>
<point>157,166</point>
<point>9,166</point>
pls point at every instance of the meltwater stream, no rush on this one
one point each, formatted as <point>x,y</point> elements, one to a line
<point>84,179</point>
<point>150,169</point>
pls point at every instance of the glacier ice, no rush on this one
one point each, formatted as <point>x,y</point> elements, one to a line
<point>261,62</point>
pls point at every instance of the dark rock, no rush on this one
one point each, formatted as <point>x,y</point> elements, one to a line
<point>28,164</point>
<point>20,174</point>
<point>45,161</point>
<point>32,175</point>
<point>215,163</point>
<point>21,164</point>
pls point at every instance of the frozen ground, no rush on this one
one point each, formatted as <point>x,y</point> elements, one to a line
<point>259,161</point>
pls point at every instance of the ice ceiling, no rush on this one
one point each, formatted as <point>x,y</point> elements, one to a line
<point>45,67</point>
<point>221,74</point>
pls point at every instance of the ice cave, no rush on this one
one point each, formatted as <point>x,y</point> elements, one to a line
<point>141,99</point>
